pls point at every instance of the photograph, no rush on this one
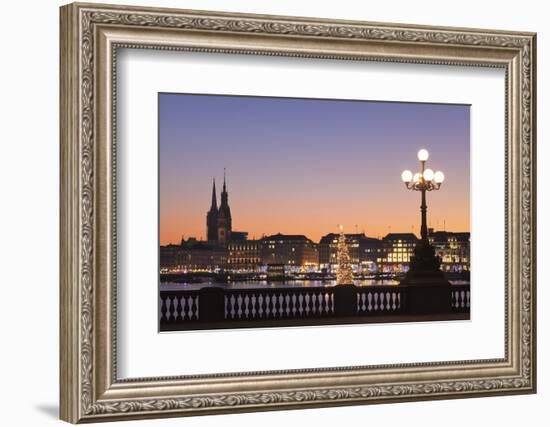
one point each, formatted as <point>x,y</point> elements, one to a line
<point>277,211</point>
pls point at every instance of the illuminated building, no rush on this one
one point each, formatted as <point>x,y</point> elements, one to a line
<point>397,249</point>
<point>192,255</point>
<point>452,248</point>
<point>244,254</point>
<point>363,251</point>
<point>296,251</point>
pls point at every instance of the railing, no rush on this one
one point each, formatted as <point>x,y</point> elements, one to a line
<point>379,300</point>
<point>254,304</point>
<point>460,298</point>
<point>179,306</point>
<point>213,307</point>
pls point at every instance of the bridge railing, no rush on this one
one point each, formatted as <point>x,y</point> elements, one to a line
<point>215,307</point>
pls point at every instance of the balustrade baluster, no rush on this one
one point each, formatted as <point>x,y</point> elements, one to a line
<point>233,302</point>
<point>267,310</point>
<point>169,308</point>
<point>195,308</point>
<point>259,306</point>
<point>251,306</point>
<point>307,302</point>
<point>227,314</point>
<point>287,305</point>
<point>246,301</point>
<point>280,306</point>
<point>315,304</point>
<point>276,305</point>
<point>254,306</point>
<point>240,309</point>
<point>163,308</point>
<point>181,314</point>
<point>322,303</point>
<point>186,309</point>
<point>177,308</point>
<point>300,305</point>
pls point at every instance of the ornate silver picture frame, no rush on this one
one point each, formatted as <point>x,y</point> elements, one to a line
<point>91,35</point>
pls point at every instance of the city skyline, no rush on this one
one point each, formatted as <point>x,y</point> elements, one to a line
<point>302,166</point>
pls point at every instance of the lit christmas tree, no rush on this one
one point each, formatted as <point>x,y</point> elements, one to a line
<point>344,273</point>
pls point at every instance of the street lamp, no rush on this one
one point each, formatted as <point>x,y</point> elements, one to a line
<point>425,180</point>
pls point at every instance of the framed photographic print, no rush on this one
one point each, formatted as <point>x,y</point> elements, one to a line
<point>263,212</point>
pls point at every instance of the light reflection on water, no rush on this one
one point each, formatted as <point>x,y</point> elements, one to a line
<point>173,286</point>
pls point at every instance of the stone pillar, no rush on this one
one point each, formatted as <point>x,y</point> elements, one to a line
<point>211,304</point>
<point>345,300</point>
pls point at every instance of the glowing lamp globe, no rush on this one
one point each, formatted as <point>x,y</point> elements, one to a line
<point>417,177</point>
<point>439,177</point>
<point>407,176</point>
<point>423,155</point>
<point>428,175</point>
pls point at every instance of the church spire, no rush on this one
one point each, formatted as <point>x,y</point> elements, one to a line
<point>214,205</point>
<point>224,204</point>
<point>224,216</point>
<point>212,217</point>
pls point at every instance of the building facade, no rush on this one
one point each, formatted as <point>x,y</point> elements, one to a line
<point>396,252</point>
<point>363,252</point>
<point>192,255</point>
<point>453,249</point>
<point>295,251</point>
<point>244,255</point>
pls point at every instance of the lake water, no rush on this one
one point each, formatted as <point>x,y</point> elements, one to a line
<point>173,286</point>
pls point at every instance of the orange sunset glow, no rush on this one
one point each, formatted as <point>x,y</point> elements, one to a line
<point>298,166</point>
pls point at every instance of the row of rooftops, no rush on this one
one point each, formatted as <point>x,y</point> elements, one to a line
<point>436,236</point>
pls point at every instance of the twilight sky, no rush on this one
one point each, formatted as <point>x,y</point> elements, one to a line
<point>303,166</point>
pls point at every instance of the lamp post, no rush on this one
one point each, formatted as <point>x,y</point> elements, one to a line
<point>432,290</point>
<point>425,180</point>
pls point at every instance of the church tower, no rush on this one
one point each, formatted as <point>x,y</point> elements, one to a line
<point>212,217</point>
<point>224,217</point>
